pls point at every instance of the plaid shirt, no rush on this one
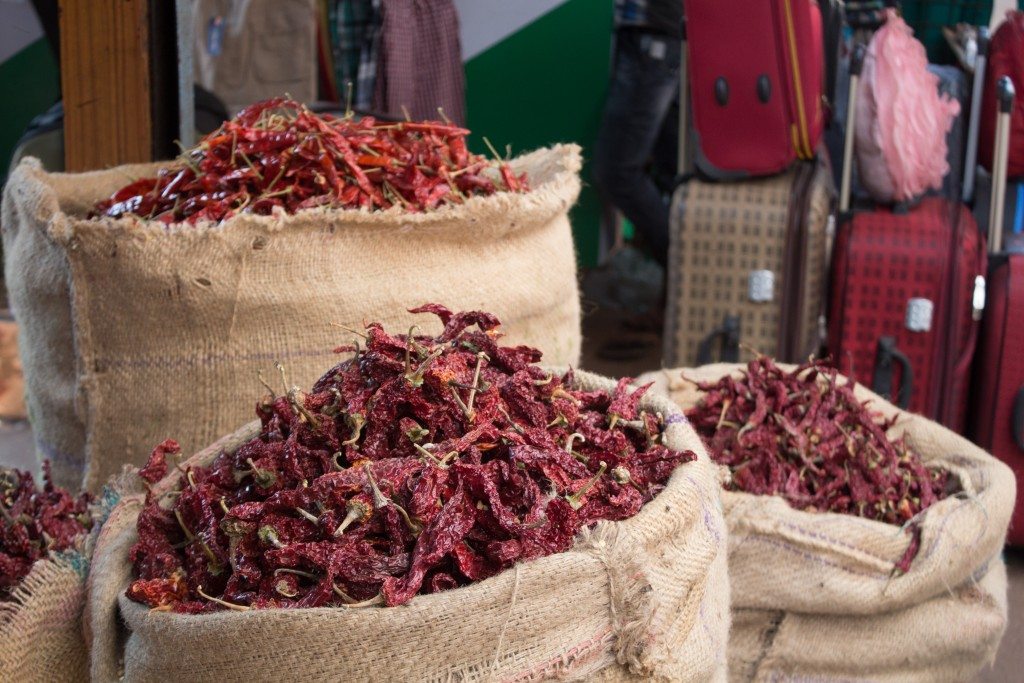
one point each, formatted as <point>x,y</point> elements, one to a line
<point>662,16</point>
<point>355,43</point>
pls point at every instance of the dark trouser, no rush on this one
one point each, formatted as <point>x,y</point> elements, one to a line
<point>640,127</point>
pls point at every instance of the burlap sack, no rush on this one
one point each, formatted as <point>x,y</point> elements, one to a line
<point>41,626</point>
<point>642,599</point>
<point>130,331</point>
<point>813,596</point>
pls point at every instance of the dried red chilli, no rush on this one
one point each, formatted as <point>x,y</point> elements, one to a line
<point>35,523</point>
<point>803,435</point>
<point>418,465</point>
<point>279,156</point>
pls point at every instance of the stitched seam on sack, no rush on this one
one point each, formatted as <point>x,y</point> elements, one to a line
<point>815,558</point>
<point>833,541</point>
<point>571,656</point>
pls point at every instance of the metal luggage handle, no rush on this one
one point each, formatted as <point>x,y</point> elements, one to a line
<point>971,161</point>
<point>856,64</point>
<point>881,383</point>
<point>729,333</point>
<point>1005,94</point>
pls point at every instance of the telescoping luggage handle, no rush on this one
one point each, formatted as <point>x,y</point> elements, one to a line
<point>856,64</point>
<point>1004,95</point>
<point>971,155</point>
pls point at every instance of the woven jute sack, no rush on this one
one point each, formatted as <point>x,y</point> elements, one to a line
<point>814,596</point>
<point>130,330</point>
<point>642,599</point>
<point>41,635</point>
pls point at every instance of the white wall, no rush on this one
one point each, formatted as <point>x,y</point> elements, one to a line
<point>486,22</point>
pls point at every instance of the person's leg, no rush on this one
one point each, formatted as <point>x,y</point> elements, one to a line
<point>665,155</point>
<point>645,82</point>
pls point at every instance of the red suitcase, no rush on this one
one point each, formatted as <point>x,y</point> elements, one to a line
<point>997,421</point>
<point>756,75</point>
<point>907,293</point>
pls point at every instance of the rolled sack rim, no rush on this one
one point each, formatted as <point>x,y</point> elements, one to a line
<point>607,553</point>
<point>557,167</point>
<point>867,547</point>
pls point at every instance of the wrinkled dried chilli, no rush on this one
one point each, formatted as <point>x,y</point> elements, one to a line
<point>420,465</point>
<point>35,523</point>
<point>278,155</point>
<point>805,436</point>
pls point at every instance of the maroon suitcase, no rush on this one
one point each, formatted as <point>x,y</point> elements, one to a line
<point>757,76</point>
<point>997,420</point>
<point>906,298</point>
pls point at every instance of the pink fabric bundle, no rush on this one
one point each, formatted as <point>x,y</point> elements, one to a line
<point>901,120</point>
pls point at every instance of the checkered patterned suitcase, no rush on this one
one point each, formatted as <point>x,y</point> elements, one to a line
<point>747,265</point>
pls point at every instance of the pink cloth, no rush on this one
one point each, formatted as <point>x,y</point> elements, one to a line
<point>901,120</point>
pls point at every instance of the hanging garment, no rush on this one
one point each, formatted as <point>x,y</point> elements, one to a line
<point>420,62</point>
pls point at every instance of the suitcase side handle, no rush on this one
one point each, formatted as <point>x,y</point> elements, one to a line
<point>1004,95</point>
<point>856,64</point>
<point>729,333</point>
<point>881,383</point>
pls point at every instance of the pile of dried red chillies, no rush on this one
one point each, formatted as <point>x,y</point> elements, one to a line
<point>805,436</point>
<point>35,523</point>
<point>419,465</point>
<point>278,155</point>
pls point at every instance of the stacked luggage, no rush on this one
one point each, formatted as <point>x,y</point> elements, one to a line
<point>749,235</point>
<point>920,299</point>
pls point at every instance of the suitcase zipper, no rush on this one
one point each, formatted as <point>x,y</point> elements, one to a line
<point>792,263</point>
<point>802,140</point>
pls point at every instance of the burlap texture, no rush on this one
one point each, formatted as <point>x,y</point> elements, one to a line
<point>131,330</point>
<point>41,626</point>
<point>642,599</point>
<point>813,596</point>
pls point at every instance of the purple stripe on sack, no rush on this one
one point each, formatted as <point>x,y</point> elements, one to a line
<point>58,458</point>
<point>676,419</point>
<point>710,525</point>
<point>777,677</point>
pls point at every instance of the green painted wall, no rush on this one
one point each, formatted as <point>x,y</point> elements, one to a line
<point>547,84</point>
<point>29,85</point>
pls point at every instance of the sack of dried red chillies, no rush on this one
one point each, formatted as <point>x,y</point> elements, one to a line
<point>279,223</point>
<point>435,507</point>
<point>43,560</point>
<point>870,544</point>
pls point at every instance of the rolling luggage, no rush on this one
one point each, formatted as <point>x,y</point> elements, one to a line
<point>1005,58</point>
<point>756,74</point>
<point>747,264</point>
<point>907,293</point>
<point>997,420</point>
